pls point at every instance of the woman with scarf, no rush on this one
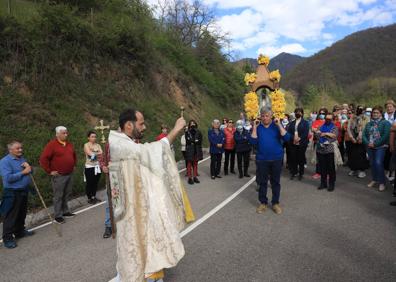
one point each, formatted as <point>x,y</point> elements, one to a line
<point>193,151</point>
<point>327,136</point>
<point>356,151</point>
<point>320,119</point>
<point>297,146</point>
<point>242,148</point>
<point>376,138</point>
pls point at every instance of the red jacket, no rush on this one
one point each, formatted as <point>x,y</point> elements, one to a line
<point>229,138</point>
<point>159,137</point>
<point>57,157</point>
<point>338,124</point>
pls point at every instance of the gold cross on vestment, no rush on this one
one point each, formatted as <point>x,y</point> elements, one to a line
<point>102,128</point>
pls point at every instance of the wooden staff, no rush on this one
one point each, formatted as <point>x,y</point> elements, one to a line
<point>182,111</point>
<point>57,230</point>
<point>102,128</point>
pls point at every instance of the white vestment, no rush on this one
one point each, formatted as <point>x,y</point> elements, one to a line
<point>148,206</point>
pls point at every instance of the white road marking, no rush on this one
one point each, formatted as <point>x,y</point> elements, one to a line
<point>97,205</point>
<point>216,209</point>
<point>212,212</point>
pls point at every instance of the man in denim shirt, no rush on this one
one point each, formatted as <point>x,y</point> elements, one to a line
<point>15,172</point>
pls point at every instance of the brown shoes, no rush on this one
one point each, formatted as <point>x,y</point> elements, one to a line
<point>277,209</point>
<point>261,208</point>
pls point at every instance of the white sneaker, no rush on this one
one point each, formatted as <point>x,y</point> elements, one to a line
<point>362,174</point>
<point>371,184</point>
<point>351,173</point>
<point>381,188</point>
<point>391,178</point>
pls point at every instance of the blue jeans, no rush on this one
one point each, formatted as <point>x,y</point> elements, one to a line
<point>268,170</point>
<point>376,157</point>
<point>107,214</point>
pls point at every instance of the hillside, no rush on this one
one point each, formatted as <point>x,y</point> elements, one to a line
<point>61,66</point>
<point>361,68</point>
<point>285,62</point>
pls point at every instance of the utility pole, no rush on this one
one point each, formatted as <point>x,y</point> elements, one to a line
<point>9,7</point>
<point>92,15</point>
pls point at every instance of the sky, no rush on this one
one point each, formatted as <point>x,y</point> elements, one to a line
<point>295,26</point>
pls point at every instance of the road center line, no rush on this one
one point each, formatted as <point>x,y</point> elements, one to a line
<point>216,209</point>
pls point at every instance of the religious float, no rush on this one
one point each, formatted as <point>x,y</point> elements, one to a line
<point>264,91</point>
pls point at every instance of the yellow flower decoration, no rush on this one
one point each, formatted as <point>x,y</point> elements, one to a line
<point>278,103</point>
<point>250,78</point>
<point>263,60</point>
<point>251,105</point>
<point>275,75</point>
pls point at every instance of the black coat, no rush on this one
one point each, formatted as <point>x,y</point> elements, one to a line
<point>242,141</point>
<point>193,145</point>
<point>303,131</point>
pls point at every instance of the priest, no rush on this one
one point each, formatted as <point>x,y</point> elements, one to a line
<point>149,202</point>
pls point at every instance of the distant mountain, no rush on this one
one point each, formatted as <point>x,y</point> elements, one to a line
<point>285,62</point>
<point>360,67</point>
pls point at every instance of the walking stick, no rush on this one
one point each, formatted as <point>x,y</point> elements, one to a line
<point>107,181</point>
<point>45,207</point>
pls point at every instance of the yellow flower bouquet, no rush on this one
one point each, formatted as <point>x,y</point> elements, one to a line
<point>278,103</point>
<point>263,60</point>
<point>250,78</point>
<point>275,75</point>
<point>251,105</point>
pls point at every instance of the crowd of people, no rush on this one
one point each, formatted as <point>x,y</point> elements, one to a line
<point>358,137</point>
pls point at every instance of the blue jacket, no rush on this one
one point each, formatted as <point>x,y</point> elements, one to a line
<point>13,181</point>
<point>215,139</point>
<point>242,141</point>
<point>269,143</point>
<point>11,172</point>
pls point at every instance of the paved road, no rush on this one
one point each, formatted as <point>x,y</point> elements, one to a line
<point>347,235</point>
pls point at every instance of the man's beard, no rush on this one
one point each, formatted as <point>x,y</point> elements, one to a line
<point>136,134</point>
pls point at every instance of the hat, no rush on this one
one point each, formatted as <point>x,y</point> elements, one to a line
<point>369,109</point>
<point>390,102</point>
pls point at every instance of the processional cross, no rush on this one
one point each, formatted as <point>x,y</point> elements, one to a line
<point>102,128</point>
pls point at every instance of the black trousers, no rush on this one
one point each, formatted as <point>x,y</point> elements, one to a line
<point>229,160</point>
<point>215,164</point>
<point>184,157</point>
<point>387,159</point>
<point>297,159</point>
<point>341,146</point>
<point>243,160</point>
<point>92,182</point>
<point>327,168</point>
<point>14,220</point>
